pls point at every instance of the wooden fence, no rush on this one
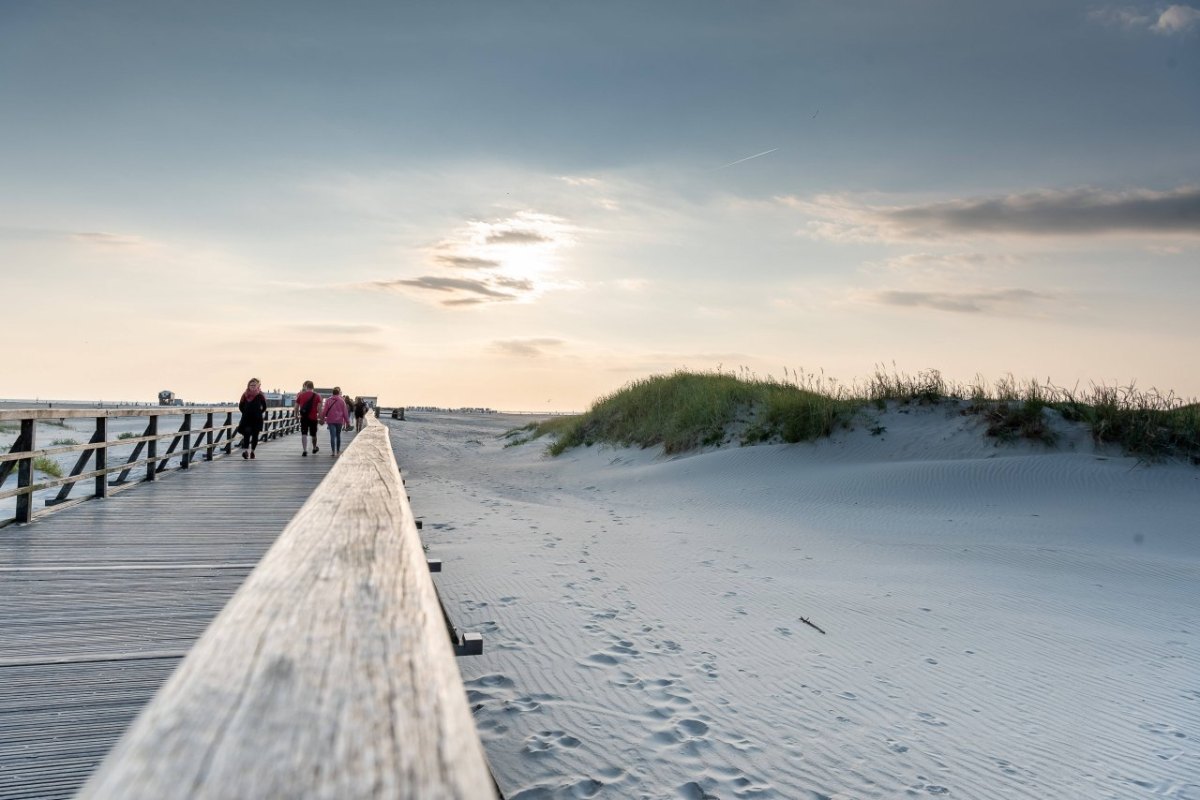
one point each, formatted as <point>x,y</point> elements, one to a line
<point>329,674</point>
<point>200,437</point>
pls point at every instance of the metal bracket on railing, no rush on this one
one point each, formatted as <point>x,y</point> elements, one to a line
<point>469,644</point>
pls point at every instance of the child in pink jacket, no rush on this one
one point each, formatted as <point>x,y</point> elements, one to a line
<point>335,414</point>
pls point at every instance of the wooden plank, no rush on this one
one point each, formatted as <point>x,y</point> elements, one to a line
<point>329,674</point>
<point>97,604</point>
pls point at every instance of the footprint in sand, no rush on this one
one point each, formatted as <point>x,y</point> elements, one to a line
<point>549,741</point>
<point>521,705</point>
<point>623,647</point>
<point>930,719</point>
<point>692,727</point>
<point>694,791</point>
<point>603,659</point>
<point>1162,729</point>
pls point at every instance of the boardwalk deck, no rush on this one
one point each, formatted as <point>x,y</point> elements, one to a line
<point>99,602</point>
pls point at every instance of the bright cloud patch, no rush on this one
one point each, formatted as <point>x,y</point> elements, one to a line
<point>1081,212</point>
<point>502,261</point>
<point>1176,19</point>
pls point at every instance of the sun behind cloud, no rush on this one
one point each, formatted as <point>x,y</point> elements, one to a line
<point>507,260</point>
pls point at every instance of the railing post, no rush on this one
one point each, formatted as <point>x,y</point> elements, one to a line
<point>25,471</point>
<point>208,424</point>
<point>185,459</point>
<point>152,449</point>
<point>229,433</point>
<point>102,456</point>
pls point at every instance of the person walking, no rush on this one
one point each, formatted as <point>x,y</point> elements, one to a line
<point>335,415</point>
<point>308,409</point>
<point>253,406</point>
<point>360,414</point>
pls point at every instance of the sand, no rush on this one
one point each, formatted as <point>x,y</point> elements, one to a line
<point>1000,621</point>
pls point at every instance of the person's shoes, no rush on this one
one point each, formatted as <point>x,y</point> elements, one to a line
<point>245,454</point>
<point>316,449</point>
<point>252,454</point>
<point>305,454</point>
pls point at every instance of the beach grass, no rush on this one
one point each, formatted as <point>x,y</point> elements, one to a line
<point>63,442</point>
<point>48,466</point>
<point>128,435</point>
<point>686,410</point>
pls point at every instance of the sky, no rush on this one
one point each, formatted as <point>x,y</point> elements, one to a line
<point>526,205</point>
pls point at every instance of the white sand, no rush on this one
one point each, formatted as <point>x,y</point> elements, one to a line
<point>1003,622</point>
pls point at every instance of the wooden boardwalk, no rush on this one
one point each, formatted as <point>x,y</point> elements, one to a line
<point>99,603</point>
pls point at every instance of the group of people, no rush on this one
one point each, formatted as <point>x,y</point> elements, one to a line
<point>312,410</point>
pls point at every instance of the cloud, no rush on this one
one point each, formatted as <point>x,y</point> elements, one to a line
<point>467,262</point>
<point>476,291</point>
<point>526,348</point>
<point>516,237</point>
<point>1073,213</point>
<point>519,284</point>
<point>1176,19</point>
<point>962,302</point>
<point>1120,17</point>
<point>495,261</point>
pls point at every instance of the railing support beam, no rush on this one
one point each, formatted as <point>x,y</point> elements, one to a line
<point>25,470</point>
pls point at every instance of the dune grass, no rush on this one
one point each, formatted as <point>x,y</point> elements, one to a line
<point>46,465</point>
<point>686,410</point>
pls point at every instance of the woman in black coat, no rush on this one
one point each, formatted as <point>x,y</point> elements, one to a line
<point>253,406</point>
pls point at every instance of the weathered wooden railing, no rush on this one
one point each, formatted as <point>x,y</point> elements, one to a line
<point>199,437</point>
<point>328,675</point>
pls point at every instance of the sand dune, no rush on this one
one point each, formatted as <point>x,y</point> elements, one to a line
<point>1001,622</point>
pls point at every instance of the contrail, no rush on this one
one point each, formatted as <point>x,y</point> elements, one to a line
<point>747,158</point>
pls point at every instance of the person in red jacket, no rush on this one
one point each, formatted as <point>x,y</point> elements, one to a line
<point>308,409</point>
<point>336,415</point>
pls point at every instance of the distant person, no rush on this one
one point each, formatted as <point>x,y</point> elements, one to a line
<point>253,406</point>
<point>308,409</point>
<point>360,413</point>
<point>335,415</point>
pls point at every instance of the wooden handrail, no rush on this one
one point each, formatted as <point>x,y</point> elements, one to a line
<point>329,673</point>
<point>199,433</point>
<point>8,414</point>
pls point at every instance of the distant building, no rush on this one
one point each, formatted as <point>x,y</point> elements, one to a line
<point>278,399</point>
